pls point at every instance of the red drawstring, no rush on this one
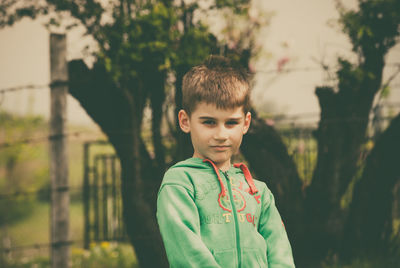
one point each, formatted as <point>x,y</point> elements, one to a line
<point>247,176</point>
<point>223,190</point>
<point>245,171</point>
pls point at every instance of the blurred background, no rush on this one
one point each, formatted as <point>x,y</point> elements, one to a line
<point>326,93</point>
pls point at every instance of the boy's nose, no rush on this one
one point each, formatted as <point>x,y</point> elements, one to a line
<point>221,133</point>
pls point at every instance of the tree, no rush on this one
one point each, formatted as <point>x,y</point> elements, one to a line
<point>372,30</point>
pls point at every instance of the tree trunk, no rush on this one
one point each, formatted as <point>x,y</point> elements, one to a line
<point>116,117</point>
<point>268,158</point>
<point>184,148</point>
<point>139,218</point>
<point>157,98</point>
<point>340,136</point>
<point>369,225</point>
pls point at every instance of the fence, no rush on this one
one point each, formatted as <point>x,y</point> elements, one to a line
<point>101,196</point>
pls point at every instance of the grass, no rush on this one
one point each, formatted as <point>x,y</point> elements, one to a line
<point>102,255</point>
<point>35,229</point>
<point>32,230</point>
<point>371,262</point>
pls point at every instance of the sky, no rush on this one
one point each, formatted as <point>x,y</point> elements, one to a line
<point>299,31</point>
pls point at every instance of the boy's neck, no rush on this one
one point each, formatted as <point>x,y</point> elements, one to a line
<point>223,168</point>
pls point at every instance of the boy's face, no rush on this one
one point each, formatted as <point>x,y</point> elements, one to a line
<point>216,133</point>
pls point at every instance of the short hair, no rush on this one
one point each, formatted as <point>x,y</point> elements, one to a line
<point>216,81</point>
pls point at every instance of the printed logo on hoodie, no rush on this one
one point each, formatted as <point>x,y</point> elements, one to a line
<point>238,199</point>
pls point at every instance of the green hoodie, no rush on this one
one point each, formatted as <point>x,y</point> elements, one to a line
<point>200,227</point>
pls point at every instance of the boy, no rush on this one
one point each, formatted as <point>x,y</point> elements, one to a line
<point>210,213</point>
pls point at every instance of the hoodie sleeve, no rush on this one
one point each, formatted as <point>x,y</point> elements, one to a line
<point>279,252</point>
<point>179,224</point>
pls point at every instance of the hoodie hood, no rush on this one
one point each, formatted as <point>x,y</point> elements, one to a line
<point>192,162</point>
<point>199,163</point>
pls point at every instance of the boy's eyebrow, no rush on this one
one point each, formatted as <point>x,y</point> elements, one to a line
<point>236,118</point>
<point>212,118</point>
<point>206,117</point>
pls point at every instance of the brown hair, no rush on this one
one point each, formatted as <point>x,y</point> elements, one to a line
<point>217,81</point>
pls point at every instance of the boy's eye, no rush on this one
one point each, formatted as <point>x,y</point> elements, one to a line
<point>208,122</point>
<point>232,123</point>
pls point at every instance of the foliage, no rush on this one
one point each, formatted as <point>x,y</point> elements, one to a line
<point>145,37</point>
<point>14,166</point>
<point>102,255</point>
<point>373,29</point>
<point>374,26</point>
<point>39,262</point>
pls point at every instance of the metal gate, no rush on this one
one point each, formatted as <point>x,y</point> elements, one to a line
<point>102,202</point>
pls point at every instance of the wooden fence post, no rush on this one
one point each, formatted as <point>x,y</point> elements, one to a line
<point>60,248</point>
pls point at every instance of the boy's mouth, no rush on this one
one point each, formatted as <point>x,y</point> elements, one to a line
<point>220,147</point>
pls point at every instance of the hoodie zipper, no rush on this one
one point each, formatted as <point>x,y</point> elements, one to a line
<point>235,216</point>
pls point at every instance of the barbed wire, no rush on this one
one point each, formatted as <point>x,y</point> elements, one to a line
<point>55,83</point>
<point>276,118</point>
<point>266,71</point>
<point>38,246</point>
<point>56,137</point>
<point>42,193</point>
<point>25,87</point>
<point>289,70</point>
<point>40,139</point>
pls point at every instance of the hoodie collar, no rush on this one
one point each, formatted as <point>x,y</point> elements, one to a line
<point>246,173</point>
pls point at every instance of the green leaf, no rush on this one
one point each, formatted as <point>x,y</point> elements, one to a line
<point>360,33</point>
<point>385,91</point>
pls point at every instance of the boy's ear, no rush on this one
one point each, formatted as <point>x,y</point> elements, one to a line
<point>184,122</point>
<point>247,120</point>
